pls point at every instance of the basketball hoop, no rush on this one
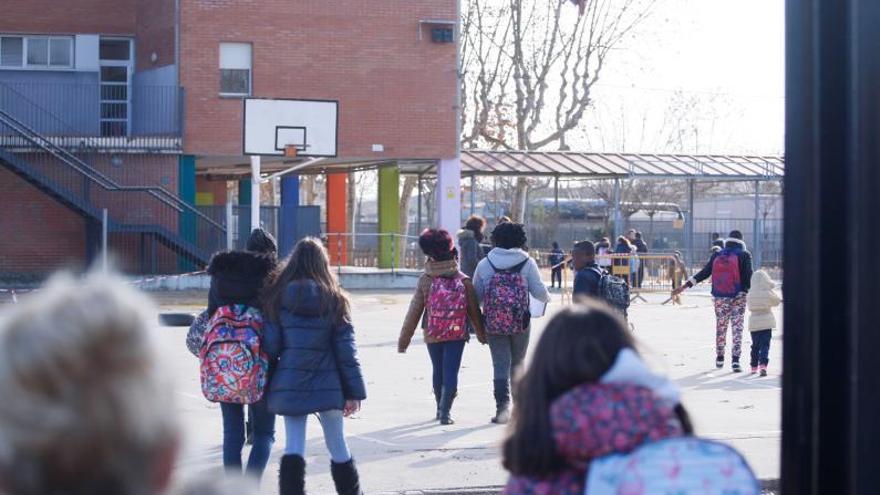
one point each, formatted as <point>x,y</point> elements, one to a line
<point>290,151</point>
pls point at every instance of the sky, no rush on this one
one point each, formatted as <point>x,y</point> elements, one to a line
<point>711,69</point>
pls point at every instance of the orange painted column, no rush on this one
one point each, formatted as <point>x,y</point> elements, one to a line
<point>336,203</point>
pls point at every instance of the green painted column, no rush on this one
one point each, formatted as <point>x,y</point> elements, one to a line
<point>389,216</point>
<point>245,191</point>
<point>186,190</point>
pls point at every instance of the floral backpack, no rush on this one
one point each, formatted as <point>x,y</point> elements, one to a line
<point>680,466</point>
<point>506,302</point>
<point>234,367</point>
<point>446,310</point>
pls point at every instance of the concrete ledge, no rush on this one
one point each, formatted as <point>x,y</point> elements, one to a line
<point>351,278</point>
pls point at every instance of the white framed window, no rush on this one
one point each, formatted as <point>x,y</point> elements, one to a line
<point>36,52</point>
<point>235,69</point>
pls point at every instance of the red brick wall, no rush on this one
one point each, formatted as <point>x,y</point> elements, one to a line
<point>393,89</point>
<point>154,33</point>
<point>37,234</point>
<point>71,17</point>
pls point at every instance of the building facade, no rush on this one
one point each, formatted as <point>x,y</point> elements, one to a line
<point>134,107</point>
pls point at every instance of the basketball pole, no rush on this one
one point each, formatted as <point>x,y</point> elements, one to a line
<point>255,192</point>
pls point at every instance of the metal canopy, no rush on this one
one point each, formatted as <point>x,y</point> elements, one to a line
<point>620,165</point>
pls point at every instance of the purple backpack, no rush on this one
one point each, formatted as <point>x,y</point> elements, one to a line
<point>446,310</point>
<point>506,302</point>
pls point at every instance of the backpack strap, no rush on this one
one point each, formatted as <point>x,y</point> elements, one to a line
<point>513,269</point>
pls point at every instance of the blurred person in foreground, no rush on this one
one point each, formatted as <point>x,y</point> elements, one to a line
<point>85,409</point>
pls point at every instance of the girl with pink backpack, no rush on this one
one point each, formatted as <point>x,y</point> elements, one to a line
<point>444,301</point>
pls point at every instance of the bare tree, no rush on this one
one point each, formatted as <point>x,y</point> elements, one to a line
<point>529,67</point>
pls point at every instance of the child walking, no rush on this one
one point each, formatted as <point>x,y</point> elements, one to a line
<point>762,299</point>
<point>310,341</point>
<point>444,301</point>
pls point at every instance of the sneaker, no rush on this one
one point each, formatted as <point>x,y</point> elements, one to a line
<point>763,371</point>
<point>736,367</point>
<point>719,362</point>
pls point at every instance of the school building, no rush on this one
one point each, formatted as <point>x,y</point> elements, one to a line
<point>135,109</point>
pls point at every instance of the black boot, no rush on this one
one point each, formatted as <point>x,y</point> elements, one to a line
<point>447,397</point>
<point>437,399</point>
<point>292,476</point>
<point>346,479</point>
<point>502,402</point>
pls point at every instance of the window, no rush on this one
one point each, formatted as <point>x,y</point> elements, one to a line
<point>11,51</point>
<point>115,49</point>
<point>36,52</point>
<point>235,69</point>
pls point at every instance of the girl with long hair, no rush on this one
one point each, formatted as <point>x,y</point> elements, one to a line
<point>310,342</point>
<point>589,395</point>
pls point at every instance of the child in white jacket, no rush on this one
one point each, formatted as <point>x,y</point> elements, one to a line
<point>762,299</point>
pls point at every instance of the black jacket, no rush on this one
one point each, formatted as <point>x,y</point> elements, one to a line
<point>586,280</point>
<point>317,365</point>
<point>237,277</point>
<point>745,265</point>
<point>641,247</point>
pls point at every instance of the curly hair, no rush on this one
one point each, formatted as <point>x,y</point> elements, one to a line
<point>509,235</point>
<point>437,244</point>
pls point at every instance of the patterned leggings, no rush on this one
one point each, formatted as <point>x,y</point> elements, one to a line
<point>729,311</point>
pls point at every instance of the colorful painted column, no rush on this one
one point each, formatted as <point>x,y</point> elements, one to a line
<point>244,217</point>
<point>448,193</point>
<point>389,216</point>
<point>186,190</point>
<point>289,204</point>
<point>337,185</point>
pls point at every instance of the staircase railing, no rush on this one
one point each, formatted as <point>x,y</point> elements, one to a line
<point>146,209</point>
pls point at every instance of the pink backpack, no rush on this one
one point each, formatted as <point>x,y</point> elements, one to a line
<point>234,367</point>
<point>506,303</point>
<point>447,309</point>
<point>725,275</point>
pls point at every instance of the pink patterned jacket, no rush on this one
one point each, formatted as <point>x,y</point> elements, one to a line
<point>594,420</point>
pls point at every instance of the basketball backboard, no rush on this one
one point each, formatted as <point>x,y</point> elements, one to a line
<point>271,125</point>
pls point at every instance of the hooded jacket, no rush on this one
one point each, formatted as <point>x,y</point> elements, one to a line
<point>745,265</point>
<point>315,357</point>
<point>508,258</point>
<point>419,302</point>
<point>237,277</point>
<point>762,299</point>
<point>470,252</point>
<point>594,420</point>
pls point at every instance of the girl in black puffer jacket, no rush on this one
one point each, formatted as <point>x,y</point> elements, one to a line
<point>310,342</point>
<point>238,277</point>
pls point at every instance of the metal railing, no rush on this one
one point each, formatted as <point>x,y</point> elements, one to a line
<point>146,210</point>
<point>77,116</point>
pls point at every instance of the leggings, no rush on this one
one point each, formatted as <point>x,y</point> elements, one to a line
<point>729,311</point>
<point>334,437</point>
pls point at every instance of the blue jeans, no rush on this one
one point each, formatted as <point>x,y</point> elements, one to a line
<point>761,347</point>
<point>446,361</point>
<point>334,437</point>
<point>263,423</point>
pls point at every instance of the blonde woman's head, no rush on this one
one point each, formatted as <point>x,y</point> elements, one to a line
<point>84,407</point>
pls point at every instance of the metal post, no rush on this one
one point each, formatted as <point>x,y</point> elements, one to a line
<point>689,242</point>
<point>617,216</point>
<point>756,230</point>
<point>393,252</point>
<point>473,194</point>
<point>419,206</point>
<point>556,195</point>
<point>229,230</point>
<point>105,265</point>
<point>255,192</point>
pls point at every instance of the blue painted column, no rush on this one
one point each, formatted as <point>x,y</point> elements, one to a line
<point>186,190</point>
<point>287,230</point>
<point>244,209</point>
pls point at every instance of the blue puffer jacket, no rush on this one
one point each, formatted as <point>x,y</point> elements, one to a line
<point>317,366</point>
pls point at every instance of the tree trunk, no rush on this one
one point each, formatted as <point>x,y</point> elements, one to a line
<point>409,185</point>
<point>518,203</point>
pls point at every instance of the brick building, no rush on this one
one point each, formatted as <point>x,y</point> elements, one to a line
<point>135,106</point>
